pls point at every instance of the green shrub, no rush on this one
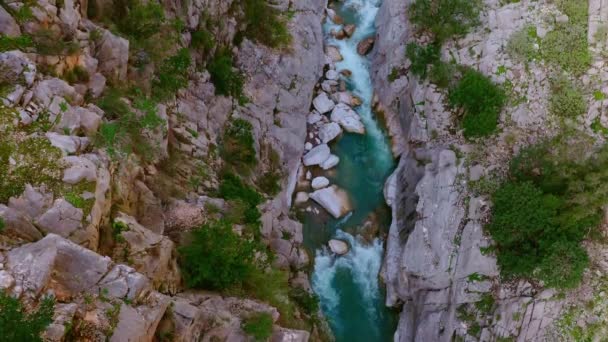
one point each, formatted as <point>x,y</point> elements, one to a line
<point>138,20</point>
<point>567,47</point>
<point>126,133</point>
<point>521,44</point>
<point>553,200</point>
<point>172,75</point>
<point>268,182</point>
<point>77,74</point>
<point>216,257</point>
<point>47,42</point>
<point>481,102</point>
<point>442,74</point>
<point>226,79</point>
<point>203,39</point>
<point>265,24</point>
<point>421,57</point>
<point>566,99</point>
<point>237,147</point>
<point>445,18</point>
<point>233,188</point>
<point>17,325</point>
<point>309,302</point>
<point>258,326</point>
<point>2,225</point>
<point>15,43</point>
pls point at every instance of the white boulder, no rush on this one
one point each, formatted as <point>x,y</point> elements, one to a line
<point>334,200</point>
<point>329,132</point>
<point>330,162</point>
<point>338,246</point>
<point>320,183</point>
<point>301,198</point>
<point>317,155</point>
<point>347,118</point>
<point>323,103</point>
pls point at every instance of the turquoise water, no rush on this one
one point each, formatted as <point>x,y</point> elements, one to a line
<point>348,286</point>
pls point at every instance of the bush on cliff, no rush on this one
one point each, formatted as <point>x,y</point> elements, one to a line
<point>265,24</point>
<point>172,75</point>
<point>258,326</point>
<point>445,18</point>
<point>226,78</point>
<point>217,258</point>
<point>237,148</point>
<point>553,200</point>
<point>136,19</point>
<point>480,101</point>
<point>18,325</point>
<point>566,98</point>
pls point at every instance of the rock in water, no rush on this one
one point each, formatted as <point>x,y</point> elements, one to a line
<point>301,198</point>
<point>333,53</point>
<point>347,118</point>
<point>338,246</point>
<point>323,103</point>
<point>334,200</point>
<point>329,132</point>
<point>317,155</point>
<point>365,46</point>
<point>349,29</point>
<point>330,162</point>
<point>319,183</point>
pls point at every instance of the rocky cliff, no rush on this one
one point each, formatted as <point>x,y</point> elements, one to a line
<point>437,265</point>
<point>97,225</point>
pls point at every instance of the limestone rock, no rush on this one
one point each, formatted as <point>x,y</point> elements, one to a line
<point>319,183</point>
<point>151,254</point>
<point>333,53</point>
<point>301,198</point>
<point>62,219</point>
<point>317,155</point>
<point>365,46</point>
<point>80,169</point>
<point>323,103</point>
<point>329,132</point>
<point>18,224</point>
<point>113,56</point>
<point>68,144</point>
<point>8,25</point>
<point>334,200</point>
<point>338,246</point>
<point>33,201</point>
<point>349,29</point>
<point>347,118</point>
<point>330,162</point>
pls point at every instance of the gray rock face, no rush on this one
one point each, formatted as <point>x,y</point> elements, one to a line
<point>329,132</point>
<point>18,224</point>
<point>8,25</point>
<point>347,118</point>
<point>317,155</point>
<point>323,103</point>
<point>62,219</point>
<point>113,56</point>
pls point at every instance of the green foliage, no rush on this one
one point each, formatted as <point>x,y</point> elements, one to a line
<point>216,257</point>
<point>47,42</point>
<point>77,74</point>
<point>309,302</point>
<point>269,182</point>
<point>2,225</point>
<point>445,18</point>
<point>172,75</point>
<point>421,57</point>
<point>203,39</point>
<point>265,24</point>
<point>394,75</point>
<point>237,147</point>
<point>481,102</point>
<point>127,132</point>
<point>566,99</point>
<point>15,43</point>
<point>442,74</point>
<point>258,326</point>
<point>553,200</point>
<point>226,78</point>
<point>521,45</point>
<point>570,37</point>
<point>18,325</point>
<point>138,20</point>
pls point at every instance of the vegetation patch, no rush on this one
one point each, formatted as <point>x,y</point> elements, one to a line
<point>18,325</point>
<point>237,148</point>
<point>228,81</point>
<point>553,199</point>
<point>480,101</point>
<point>172,75</point>
<point>523,44</point>
<point>445,18</point>
<point>258,326</point>
<point>265,24</point>
<point>566,99</point>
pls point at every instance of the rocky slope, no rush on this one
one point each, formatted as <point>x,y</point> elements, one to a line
<point>436,266</point>
<point>59,231</point>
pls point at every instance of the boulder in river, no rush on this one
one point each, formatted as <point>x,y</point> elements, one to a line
<point>333,53</point>
<point>317,155</point>
<point>338,246</point>
<point>334,200</point>
<point>301,198</point>
<point>320,183</point>
<point>347,118</point>
<point>329,132</point>
<point>365,46</point>
<point>349,29</point>
<point>330,162</point>
<point>323,103</point>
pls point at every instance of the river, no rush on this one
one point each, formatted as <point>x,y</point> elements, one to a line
<point>348,286</point>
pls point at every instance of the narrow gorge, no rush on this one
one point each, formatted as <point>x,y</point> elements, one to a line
<point>303,170</point>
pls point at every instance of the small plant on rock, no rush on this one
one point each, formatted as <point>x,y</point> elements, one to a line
<point>445,18</point>
<point>258,326</point>
<point>18,325</point>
